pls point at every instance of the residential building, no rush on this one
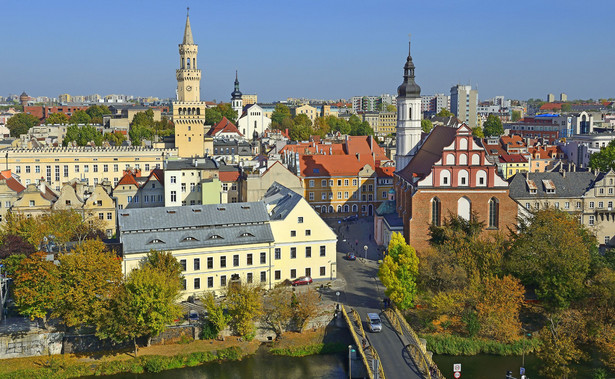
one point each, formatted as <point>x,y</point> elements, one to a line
<point>307,110</point>
<point>563,97</point>
<point>225,129</point>
<point>512,164</point>
<point>264,242</point>
<point>464,101</point>
<point>387,121</point>
<point>230,179</point>
<point>249,99</point>
<point>65,98</point>
<point>10,189</point>
<point>184,179</point>
<point>34,200</point>
<point>543,157</point>
<point>136,191</point>
<point>366,103</point>
<point>43,111</point>
<point>233,151</point>
<point>550,98</point>
<point>257,183</point>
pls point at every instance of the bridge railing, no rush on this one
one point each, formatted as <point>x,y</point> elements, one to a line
<point>357,341</point>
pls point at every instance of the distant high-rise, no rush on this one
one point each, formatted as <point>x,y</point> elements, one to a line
<point>464,101</point>
<point>563,97</point>
<point>550,98</point>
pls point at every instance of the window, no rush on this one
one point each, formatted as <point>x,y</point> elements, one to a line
<point>591,205</point>
<point>311,195</point>
<point>183,187</point>
<point>263,276</point>
<point>210,282</point>
<point>346,195</point>
<point>339,182</point>
<point>308,232</point>
<point>293,252</point>
<point>354,182</point>
<point>607,239</point>
<point>32,203</point>
<point>173,179</point>
<point>610,205</point>
<point>323,196</point>
<point>263,258</point>
<point>197,264</point>
<point>293,273</point>
<point>27,169</point>
<point>610,190</point>
<point>435,211</point>
<point>101,216</point>
<point>182,263</point>
<point>600,204</point>
<point>210,262</point>
<point>222,261</point>
<point>109,216</point>
<point>345,182</point>
<point>235,260</point>
<point>278,253</point>
<point>197,283</point>
<point>308,271</point>
<point>591,220</point>
<point>300,220</point>
<point>308,251</point>
<point>493,212</point>
<point>173,196</point>
<point>311,183</point>
<point>323,183</point>
<point>602,191</point>
<point>278,274</point>
<point>578,205</point>
<point>323,271</point>
<point>293,233</point>
<point>37,169</point>
<point>331,183</point>
<point>249,278</point>
<point>223,281</point>
<point>567,205</point>
<point>115,168</point>
<point>323,250</point>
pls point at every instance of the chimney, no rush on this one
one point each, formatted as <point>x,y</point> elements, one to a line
<point>358,156</point>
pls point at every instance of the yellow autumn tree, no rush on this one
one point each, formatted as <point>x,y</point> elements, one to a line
<point>498,307</point>
<point>398,272</point>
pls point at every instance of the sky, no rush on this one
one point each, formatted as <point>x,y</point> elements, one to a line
<point>313,49</point>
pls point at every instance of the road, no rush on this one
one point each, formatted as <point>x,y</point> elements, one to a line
<point>364,292</point>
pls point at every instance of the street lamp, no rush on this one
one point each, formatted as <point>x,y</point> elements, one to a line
<point>349,361</point>
<point>365,248</point>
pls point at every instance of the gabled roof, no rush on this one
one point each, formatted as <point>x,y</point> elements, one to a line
<point>282,199</point>
<point>224,126</point>
<point>512,158</point>
<point>157,174</point>
<point>429,153</point>
<point>229,176</point>
<point>11,182</point>
<point>569,184</point>
<point>129,179</point>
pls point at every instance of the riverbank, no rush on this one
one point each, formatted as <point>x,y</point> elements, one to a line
<point>440,343</point>
<point>157,358</point>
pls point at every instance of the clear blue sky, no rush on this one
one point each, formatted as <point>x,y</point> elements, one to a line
<point>316,49</point>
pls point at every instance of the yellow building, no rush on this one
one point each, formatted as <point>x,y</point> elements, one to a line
<point>249,99</point>
<point>35,200</point>
<point>91,165</point>
<point>65,98</point>
<point>387,121</point>
<point>307,110</point>
<point>189,110</point>
<point>511,164</point>
<point>10,188</point>
<point>100,206</point>
<point>263,242</point>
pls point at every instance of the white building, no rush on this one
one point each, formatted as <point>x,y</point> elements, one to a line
<point>252,123</point>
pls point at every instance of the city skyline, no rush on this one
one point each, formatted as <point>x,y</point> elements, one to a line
<point>319,50</point>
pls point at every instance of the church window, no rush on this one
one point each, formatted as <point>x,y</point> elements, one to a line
<point>475,159</point>
<point>494,208</point>
<point>463,144</point>
<point>481,178</point>
<point>409,113</point>
<point>445,178</point>
<point>450,159</point>
<point>188,63</point>
<point>462,179</point>
<point>463,160</point>
<point>464,208</point>
<point>435,211</point>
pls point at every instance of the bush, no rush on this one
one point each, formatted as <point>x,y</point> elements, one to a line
<point>302,351</point>
<point>230,354</point>
<point>455,345</point>
<point>209,331</point>
<point>154,363</point>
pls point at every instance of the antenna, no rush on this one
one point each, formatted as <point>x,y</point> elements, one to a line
<point>187,11</point>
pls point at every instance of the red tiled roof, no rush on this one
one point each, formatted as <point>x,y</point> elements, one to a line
<point>330,165</point>
<point>512,158</point>
<point>551,106</point>
<point>129,178</point>
<point>229,176</point>
<point>385,172</point>
<point>223,126</point>
<point>544,152</point>
<point>156,173</point>
<point>11,182</point>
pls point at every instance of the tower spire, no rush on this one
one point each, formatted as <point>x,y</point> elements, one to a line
<point>188,31</point>
<point>409,88</point>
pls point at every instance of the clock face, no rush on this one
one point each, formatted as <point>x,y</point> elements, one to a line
<point>189,88</point>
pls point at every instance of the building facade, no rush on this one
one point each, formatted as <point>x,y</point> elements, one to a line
<point>464,102</point>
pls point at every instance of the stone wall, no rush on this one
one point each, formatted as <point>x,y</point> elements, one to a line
<point>20,345</point>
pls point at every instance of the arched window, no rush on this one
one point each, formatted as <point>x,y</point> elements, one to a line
<point>188,64</point>
<point>476,159</point>
<point>435,211</point>
<point>462,178</point>
<point>481,178</point>
<point>339,209</point>
<point>194,63</point>
<point>346,208</point>
<point>463,144</point>
<point>464,208</point>
<point>324,209</point>
<point>183,63</point>
<point>198,111</point>
<point>463,160</point>
<point>355,208</point>
<point>331,209</point>
<point>450,159</point>
<point>494,210</point>
<point>409,113</point>
<point>445,178</point>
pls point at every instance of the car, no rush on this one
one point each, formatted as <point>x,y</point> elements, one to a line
<point>351,257</point>
<point>302,281</point>
<point>193,315</point>
<point>375,325</point>
<point>350,218</point>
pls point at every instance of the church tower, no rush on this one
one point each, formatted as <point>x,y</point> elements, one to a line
<point>408,116</point>
<point>189,110</point>
<point>236,99</point>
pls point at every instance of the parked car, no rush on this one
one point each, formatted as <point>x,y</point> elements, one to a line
<point>193,316</point>
<point>302,280</point>
<point>351,257</point>
<point>350,218</point>
<point>375,325</point>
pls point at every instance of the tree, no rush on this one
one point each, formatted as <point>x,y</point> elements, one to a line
<point>57,118</point>
<point>493,126</point>
<point>498,307</point>
<point>280,112</point>
<point>277,309</point>
<point>444,113</point>
<point>82,135</point>
<point>80,117</point>
<point>214,115</point>
<point>362,129</point>
<point>20,123</point>
<point>305,306</point>
<point>96,113</point>
<point>215,313</point>
<point>551,252</point>
<point>516,116</point>
<point>566,107</point>
<point>244,305</point>
<point>141,127</point>
<point>36,286</point>
<point>478,132</point>
<point>391,108</point>
<point>142,307</point>
<point>559,347</point>
<point>88,275</point>
<point>115,138</point>
<point>604,160</point>
<point>165,262</point>
<point>321,127</point>
<point>398,272</point>
<point>13,244</point>
<point>426,125</point>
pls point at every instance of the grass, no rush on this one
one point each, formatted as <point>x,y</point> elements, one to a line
<point>313,349</point>
<point>455,345</point>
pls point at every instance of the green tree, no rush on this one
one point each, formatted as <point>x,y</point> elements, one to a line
<point>444,113</point>
<point>604,160</point>
<point>80,117</point>
<point>215,313</point>
<point>478,132</point>
<point>96,113</point>
<point>87,275</point>
<point>280,112</point>
<point>516,115</point>
<point>115,138</point>
<point>552,253</point>
<point>361,129</point>
<point>277,309</point>
<point>142,307</point>
<point>321,127</point>
<point>493,126</point>
<point>141,127</point>
<point>559,346</point>
<point>214,115</point>
<point>57,118</point>
<point>426,125</point>
<point>165,262</point>
<point>82,135</point>
<point>339,125</point>
<point>391,108</point>
<point>566,107</point>
<point>36,286</point>
<point>244,306</point>
<point>398,272</point>
<point>20,123</point>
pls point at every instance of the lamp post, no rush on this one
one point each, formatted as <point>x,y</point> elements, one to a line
<point>365,248</point>
<point>349,361</point>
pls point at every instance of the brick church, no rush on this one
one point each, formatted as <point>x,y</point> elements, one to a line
<point>443,172</point>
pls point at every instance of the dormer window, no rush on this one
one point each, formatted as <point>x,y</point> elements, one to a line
<point>156,240</point>
<point>215,237</point>
<point>189,239</point>
<point>246,234</point>
<point>549,186</point>
<point>531,187</point>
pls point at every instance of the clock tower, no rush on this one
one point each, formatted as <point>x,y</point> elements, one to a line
<point>189,110</point>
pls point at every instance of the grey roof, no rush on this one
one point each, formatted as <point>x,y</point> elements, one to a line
<point>394,220</point>
<point>191,164</point>
<point>572,184</point>
<point>283,198</point>
<point>175,228</point>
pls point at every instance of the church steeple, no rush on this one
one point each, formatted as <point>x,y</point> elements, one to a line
<point>236,94</point>
<point>188,31</point>
<point>409,88</point>
<point>236,98</point>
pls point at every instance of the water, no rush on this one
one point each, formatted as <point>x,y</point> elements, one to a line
<point>259,366</point>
